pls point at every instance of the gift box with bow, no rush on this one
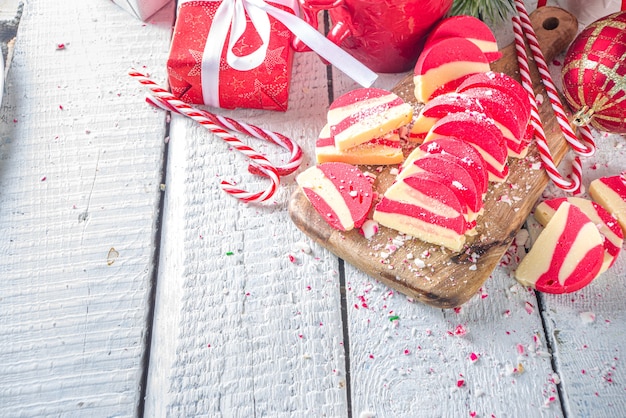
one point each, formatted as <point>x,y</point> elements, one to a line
<point>238,53</point>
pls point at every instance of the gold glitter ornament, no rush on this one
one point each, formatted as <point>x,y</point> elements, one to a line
<point>594,74</point>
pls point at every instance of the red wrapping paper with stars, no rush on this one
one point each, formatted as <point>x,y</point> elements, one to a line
<point>264,87</point>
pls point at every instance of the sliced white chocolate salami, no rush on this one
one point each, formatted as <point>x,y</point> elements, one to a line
<point>607,224</point>
<point>439,107</point>
<point>340,193</point>
<point>489,143</point>
<point>610,192</point>
<point>451,172</point>
<point>567,255</point>
<point>422,206</point>
<point>364,114</point>
<point>443,66</point>
<point>470,28</point>
<point>467,155</point>
<point>378,151</point>
<point>507,113</point>
<point>504,83</point>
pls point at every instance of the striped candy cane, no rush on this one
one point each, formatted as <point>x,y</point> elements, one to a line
<point>231,124</point>
<point>583,149</point>
<point>258,160</point>
<point>573,185</point>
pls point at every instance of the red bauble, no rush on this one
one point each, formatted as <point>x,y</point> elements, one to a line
<point>594,74</point>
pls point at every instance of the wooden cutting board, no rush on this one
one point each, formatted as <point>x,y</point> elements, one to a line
<point>450,279</point>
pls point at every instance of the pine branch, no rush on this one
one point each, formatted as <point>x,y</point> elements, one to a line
<point>486,10</point>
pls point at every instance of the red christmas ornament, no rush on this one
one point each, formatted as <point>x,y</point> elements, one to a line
<point>594,74</point>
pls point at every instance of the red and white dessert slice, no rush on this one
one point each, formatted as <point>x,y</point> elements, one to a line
<point>610,192</point>
<point>607,224</point>
<point>503,82</point>
<point>378,151</point>
<point>482,133</point>
<point>443,66</point>
<point>566,256</point>
<point>470,28</point>
<point>364,114</point>
<point>451,172</point>
<point>423,207</point>
<point>467,155</point>
<point>505,111</point>
<point>521,150</point>
<point>439,107</point>
<point>339,192</point>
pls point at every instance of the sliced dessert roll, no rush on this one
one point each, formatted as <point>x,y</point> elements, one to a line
<point>482,133</point>
<point>366,113</point>
<point>610,230</point>
<point>443,66</point>
<point>339,192</point>
<point>610,192</point>
<point>422,206</point>
<point>566,256</point>
<point>378,151</point>
<point>470,28</point>
<point>467,156</point>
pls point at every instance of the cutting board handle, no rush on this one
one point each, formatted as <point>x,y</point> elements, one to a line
<point>555,29</point>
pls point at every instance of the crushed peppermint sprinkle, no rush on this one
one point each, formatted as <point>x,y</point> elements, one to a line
<point>459,331</point>
<point>303,247</point>
<point>529,307</point>
<point>506,199</point>
<point>473,357</point>
<point>550,400</point>
<point>369,229</point>
<point>587,317</point>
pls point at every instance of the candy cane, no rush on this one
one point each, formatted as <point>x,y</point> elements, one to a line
<point>259,161</point>
<point>574,184</point>
<point>252,130</point>
<point>584,150</point>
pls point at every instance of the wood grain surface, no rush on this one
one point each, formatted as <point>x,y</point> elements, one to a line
<point>450,279</point>
<point>80,167</point>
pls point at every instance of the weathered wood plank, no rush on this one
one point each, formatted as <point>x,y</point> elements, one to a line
<point>80,167</point>
<point>408,359</point>
<point>413,364</point>
<point>248,322</point>
<point>586,327</point>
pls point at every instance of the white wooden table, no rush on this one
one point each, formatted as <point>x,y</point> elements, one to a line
<point>131,285</point>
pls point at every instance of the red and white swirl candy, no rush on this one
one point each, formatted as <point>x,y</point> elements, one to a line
<point>567,255</point>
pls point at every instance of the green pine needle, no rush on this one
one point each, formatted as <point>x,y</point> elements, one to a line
<point>486,10</point>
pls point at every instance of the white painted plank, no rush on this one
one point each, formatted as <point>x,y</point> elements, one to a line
<point>414,365</point>
<point>587,350</point>
<point>421,364</point>
<point>252,333</point>
<point>407,359</point>
<point>8,8</point>
<point>586,327</point>
<point>80,167</point>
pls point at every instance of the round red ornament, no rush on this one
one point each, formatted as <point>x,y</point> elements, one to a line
<point>594,74</point>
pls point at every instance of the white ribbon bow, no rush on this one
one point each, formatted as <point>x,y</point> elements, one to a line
<point>231,14</point>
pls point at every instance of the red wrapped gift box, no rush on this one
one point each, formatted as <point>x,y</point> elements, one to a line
<point>251,70</point>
